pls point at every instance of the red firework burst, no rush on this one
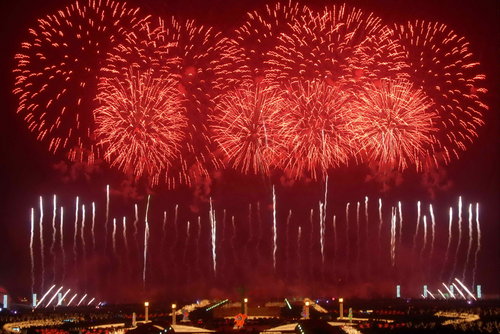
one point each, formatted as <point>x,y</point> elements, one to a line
<point>248,127</point>
<point>140,123</point>
<point>319,124</point>
<point>394,123</point>
<point>193,55</point>
<point>57,70</point>
<point>443,66</point>
<point>259,34</point>
<point>342,44</point>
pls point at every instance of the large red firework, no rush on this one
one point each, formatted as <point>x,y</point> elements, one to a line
<point>320,135</point>
<point>394,124</point>
<point>340,44</point>
<point>443,66</point>
<point>258,35</point>
<point>141,123</point>
<point>249,127</point>
<point>192,54</point>
<point>57,70</point>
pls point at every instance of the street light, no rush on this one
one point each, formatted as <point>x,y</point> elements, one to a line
<point>146,311</point>
<point>174,317</point>
<point>306,315</point>
<point>245,306</point>
<point>341,308</point>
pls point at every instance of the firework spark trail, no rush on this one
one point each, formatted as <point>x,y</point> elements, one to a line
<point>75,234</point>
<point>471,239</point>
<point>44,296</point>
<point>380,220</point>
<point>478,247</point>
<point>42,246</point>
<point>358,241</point>
<point>347,232</point>
<point>106,222</point>
<point>72,298</point>
<point>198,235</point>
<point>457,250</point>
<point>311,234</point>
<point>249,240</point>
<point>288,241</point>
<point>81,300</point>
<point>92,229</point>
<point>414,247</point>
<point>61,245</point>
<point>233,237</point>
<point>393,236</point>
<point>367,246</point>
<point>84,247</point>
<point>163,233</point>
<point>53,297</point>
<point>323,222</point>
<point>400,210</point>
<point>146,238</point>
<point>32,257</point>
<point>322,231</point>
<point>173,244</point>
<point>113,238</point>
<point>299,253</point>
<point>459,291</point>
<point>213,228</point>
<point>433,231</point>
<point>449,291</point>
<point>53,243</point>
<point>275,236</point>
<point>125,241</point>
<point>450,225</point>
<point>335,245</point>
<point>63,296</point>
<point>466,289</point>
<point>136,227</point>
<point>176,233</point>
<point>186,244</point>
<point>425,238</point>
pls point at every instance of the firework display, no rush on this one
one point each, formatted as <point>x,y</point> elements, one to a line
<point>248,126</point>
<point>340,44</point>
<point>57,70</point>
<point>442,65</point>
<point>290,89</point>
<point>212,250</point>
<point>141,123</point>
<point>319,120</point>
<point>258,36</point>
<point>394,124</point>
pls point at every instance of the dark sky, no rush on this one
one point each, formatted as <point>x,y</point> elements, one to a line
<point>26,169</point>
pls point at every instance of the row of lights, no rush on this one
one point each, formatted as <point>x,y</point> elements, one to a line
<point>245,309</point>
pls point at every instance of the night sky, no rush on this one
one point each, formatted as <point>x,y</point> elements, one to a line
<point>28,170</point>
